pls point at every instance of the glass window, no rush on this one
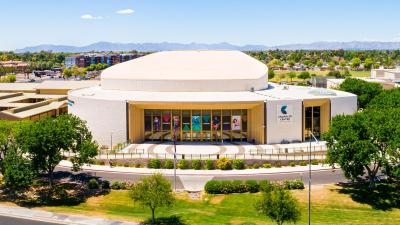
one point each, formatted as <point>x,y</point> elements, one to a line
<point>226,120</point>
<point>206,119</point>
<point>166,120</point>
<point>186,120</point>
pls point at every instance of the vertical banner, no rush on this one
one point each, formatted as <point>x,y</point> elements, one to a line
<point>236,123</point>
<point>196,123</point>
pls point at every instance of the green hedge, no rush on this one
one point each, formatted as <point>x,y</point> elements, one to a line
<point>252,186</point>
<point>196,164</point>
<point>238,164</point>
<point>154,164</point>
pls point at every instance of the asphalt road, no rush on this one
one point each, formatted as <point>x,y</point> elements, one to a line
<point>317,177</point>
<point>16,221</point>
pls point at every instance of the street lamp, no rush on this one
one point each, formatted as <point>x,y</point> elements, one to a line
<point>176,124</point>
<point>311,136</point>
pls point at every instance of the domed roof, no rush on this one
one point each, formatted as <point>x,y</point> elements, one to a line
<point>189,70</point>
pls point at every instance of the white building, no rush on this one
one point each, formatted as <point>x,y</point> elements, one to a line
<point>209,96</point>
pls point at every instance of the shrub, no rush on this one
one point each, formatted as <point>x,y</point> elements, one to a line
<point>278,164</point>
<point>93,184</point>
<point>209,164</point>
<point>183,164</point>
<point>267,165</point>
<point>112,163</point>
<point>238,164</point>
<point>126,164</point>
<point>154,164</point>
<point>213,187</point>
<point>196,164</point>
<point>237,186</point>
<point>105,184</point>
<point>303,163</point>
<point>169,164</point>
<point>292,164</point>
<point>314,162</point>
<point>256,166</point>
<point>224,164</point>
<point>116,185</point>
<point>293,184</point>
<point>252,186</point>
<point>265,186</point>
<point>138,165</point>
<point>102,163</point>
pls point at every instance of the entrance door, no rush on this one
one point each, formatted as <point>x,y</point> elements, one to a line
<point>312,121</point>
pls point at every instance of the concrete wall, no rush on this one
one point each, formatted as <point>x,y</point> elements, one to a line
<point>103,117</point>
<point>277,131</point>
<point>343,105</point>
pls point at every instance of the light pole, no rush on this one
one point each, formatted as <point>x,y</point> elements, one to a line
<point>175,127</point>
<point>311,136</point>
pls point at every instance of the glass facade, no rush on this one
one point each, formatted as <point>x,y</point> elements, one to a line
<point>312,121</point>
<point>195,125</point>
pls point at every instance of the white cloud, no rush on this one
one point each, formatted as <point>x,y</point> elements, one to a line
<point>125,11</point>
<point>91,17</point>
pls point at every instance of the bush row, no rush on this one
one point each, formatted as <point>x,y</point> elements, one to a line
<point>252,186</point>
<point>222,163</point>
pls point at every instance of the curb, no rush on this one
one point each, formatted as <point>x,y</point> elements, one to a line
<point>198,174</point>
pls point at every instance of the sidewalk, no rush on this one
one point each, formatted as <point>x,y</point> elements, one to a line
<point>44,216</point>
<point>144,171</point>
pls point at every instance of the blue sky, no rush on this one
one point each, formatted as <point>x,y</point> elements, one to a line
<point>81,22</point>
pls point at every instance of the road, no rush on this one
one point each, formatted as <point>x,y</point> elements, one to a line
<point>16,221</point>
<point>318,177</point>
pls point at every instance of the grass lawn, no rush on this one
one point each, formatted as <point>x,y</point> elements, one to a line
<point>328,207</point>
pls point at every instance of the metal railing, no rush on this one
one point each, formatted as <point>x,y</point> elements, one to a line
<point>282,154</point>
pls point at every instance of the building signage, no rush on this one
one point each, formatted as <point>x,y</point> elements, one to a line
<point>284,113</point>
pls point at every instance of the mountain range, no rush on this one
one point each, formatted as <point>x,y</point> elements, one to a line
<point>164,46</point>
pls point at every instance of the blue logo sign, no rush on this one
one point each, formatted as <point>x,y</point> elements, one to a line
<point>283,109</point>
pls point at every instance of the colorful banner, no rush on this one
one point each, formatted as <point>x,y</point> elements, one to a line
<point>196,125</point>
<point>236,123</point>
<point>216,122</point>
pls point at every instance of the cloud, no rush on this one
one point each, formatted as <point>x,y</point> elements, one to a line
<point>125,11</point>
<point>91,17</point>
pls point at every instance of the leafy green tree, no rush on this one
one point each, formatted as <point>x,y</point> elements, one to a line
<point>291,75</point>
<point>279,205</point>
<point>153,192</point>
<point>275,63</point>
<point>17,171</point>
<point>355,63</point>
<point>271,74</point>
<point>304,75</point>
<point>9,131</point>
<point>320,63</point>
<point>364,90</point>
<point>366,141</point>
<point>291,63</point>
<point>67,73</point>
<point>46,139</point>
<point>368,63</point>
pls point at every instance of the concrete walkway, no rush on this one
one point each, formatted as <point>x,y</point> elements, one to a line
<point>44,216</point>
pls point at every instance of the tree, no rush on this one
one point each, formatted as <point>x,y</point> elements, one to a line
<point>320,63</point>
<point>274,63</point>
<point>291,63</point>
<point>279,205</point>
<point>291,75</point>
<point>364,90</point>
<point>17,171</point>
<point>304,75</point>
<point>67,72</point>
<point>271,74</point>
<point>46,139</point>
<point>9,131</point>
<point>355,63</point>
<point>153,192</point>
<point>368,63</point>
<point>363,142</point>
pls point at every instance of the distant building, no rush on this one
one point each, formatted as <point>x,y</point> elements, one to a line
<point>386,74</point>
<point>86,60</point>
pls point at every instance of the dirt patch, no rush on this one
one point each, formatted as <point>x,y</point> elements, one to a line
<point>217,199</point>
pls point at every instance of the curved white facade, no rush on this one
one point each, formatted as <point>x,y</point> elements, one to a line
<point>188,71</point>
<point>201,80</point>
